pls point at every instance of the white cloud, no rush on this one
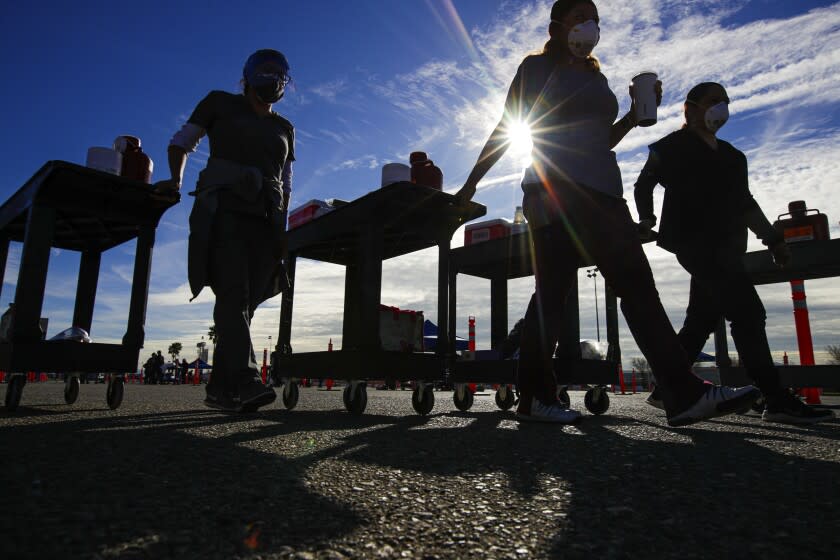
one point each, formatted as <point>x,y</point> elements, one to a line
<point>330,90</point>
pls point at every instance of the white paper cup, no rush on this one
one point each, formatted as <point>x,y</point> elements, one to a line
<point>644,93</point>
<point>395,173</point>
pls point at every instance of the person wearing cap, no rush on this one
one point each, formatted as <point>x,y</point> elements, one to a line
<point>576,213</point>
<point>238,220</point>
<point>706,212</point>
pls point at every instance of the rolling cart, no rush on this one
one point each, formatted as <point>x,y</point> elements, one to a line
<point>500,260</point>
<point>71,207</point>
<point>810,260</point>
<point>395,220</point>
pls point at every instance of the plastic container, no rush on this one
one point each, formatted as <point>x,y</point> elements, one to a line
<point>308,212</point>
<point>104,159</point>
<point>424,172</point>
<point>802,226</point>
<point>135,164</point>
<point>485,231</point>
<point>395,173</point>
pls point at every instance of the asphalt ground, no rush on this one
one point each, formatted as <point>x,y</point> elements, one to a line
<point>165,477</point>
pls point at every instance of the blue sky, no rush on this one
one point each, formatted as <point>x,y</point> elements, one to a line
<point>377,79</point>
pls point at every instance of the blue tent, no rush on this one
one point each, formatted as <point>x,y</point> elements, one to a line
<point>430,335</point>
<point>201,364</point>
<point>703,357</point>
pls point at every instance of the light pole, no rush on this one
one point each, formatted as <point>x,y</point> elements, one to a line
<point>593,273</point>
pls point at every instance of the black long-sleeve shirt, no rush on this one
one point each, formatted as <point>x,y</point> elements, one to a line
<point>707,197</point>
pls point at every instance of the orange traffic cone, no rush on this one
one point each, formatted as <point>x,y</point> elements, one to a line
<point>329,383</point>
<point>812,395</point>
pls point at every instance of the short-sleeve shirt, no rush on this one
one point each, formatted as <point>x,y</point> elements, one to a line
<point>239,134</point>
<point>571,113</point>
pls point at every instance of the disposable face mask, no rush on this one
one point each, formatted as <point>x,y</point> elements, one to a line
<point>583,38</point>
<point>716,116</point>
<point>269,87</point>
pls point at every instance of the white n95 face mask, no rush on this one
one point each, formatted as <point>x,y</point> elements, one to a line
<point>716,116</point>
<point>583,38</point>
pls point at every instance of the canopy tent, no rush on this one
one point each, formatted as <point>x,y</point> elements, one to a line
<point>201,364</point>
<point>430,335</point>
<point>703,357</point>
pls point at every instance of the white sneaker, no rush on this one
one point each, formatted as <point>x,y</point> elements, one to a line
<point>718,400</point>
<point>554,413</point>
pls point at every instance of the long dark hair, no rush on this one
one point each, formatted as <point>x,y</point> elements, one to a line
<point>555,47</point>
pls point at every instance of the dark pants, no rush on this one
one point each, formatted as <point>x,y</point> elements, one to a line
<point>240,271</point>
<point>721,287</point>
<point>584,226</point>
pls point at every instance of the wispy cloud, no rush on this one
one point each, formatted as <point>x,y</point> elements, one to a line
<point>330,90</point>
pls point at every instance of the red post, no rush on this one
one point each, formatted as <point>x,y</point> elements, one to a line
<point>621,380</point>
<point>329,382</point>
<point>803,335</point>
<point>471,346</point>
<point>265,364</point>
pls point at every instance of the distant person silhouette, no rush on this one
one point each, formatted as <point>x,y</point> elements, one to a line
<point>707,210</point>
<point>238,220</point>
<point>575,210</point>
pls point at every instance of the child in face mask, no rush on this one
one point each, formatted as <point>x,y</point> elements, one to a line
<point>576,213</point>
<point>705,215</point>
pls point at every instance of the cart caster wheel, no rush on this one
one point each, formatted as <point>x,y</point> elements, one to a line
<point>14,391</point>
<point>356,398</point>
<point>345,396</point>
<point>290,395</point>
<point>114,392</point>
<point>505,397</point>
<point>464,403</point>
<point>423,401</point>
<point>563,397</point>
<point>596,400</point>
<point>71,389</point>
<point>758,405</point>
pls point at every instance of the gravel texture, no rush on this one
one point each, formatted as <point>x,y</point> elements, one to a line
<point>164,477</point>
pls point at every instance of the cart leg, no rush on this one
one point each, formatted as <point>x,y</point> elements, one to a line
<point>32,279</point>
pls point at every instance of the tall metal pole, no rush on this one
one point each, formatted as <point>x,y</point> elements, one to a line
<point>593,273</point>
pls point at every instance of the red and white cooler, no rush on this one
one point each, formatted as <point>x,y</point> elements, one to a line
<point>485,231</point>
<point>308,212</point>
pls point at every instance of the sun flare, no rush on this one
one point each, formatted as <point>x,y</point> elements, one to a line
<point>519,136</point>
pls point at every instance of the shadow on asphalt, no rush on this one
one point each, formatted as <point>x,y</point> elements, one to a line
<point>154,476</point>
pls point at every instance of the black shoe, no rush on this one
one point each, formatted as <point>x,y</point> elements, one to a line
<point>788,409</point>
<point>218,398</point>
<point>251,395</point>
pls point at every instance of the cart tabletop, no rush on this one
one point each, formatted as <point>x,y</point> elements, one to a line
<point>409,217</point>
<point>510,257</point>
<point>809,260</point>
<point>94,210</point>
